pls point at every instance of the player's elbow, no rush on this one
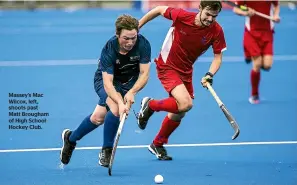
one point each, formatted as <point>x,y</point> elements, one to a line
<point>161,9</point>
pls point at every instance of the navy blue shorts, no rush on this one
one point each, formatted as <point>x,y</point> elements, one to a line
<point>99,88</point>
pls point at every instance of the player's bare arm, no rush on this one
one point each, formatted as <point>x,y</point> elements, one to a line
<point>213,69</point>
<point>216,63</point>
<point>109,88</point>
<point>250,12</point>
<point>142,79</point>
<point>276,11</point>
<point>139,84</point>
<point>155,12</point>
<point>113,94</point>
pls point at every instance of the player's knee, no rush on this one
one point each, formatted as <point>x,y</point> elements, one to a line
<point>176,117</point>
<point>96,120</point>
<point>185,106</point>
<point>257,66</point>
<point>257,63</point>
<point>266,67</point>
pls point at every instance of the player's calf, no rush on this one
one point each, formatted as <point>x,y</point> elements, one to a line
<point>68,147</point>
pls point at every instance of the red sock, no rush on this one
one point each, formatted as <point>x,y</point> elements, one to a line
<point>255,80</point>
<point>168,105</point>
<point>168,126</point>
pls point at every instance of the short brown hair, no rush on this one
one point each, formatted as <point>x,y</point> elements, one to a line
<point>126,22</point>
<point>213,5</point>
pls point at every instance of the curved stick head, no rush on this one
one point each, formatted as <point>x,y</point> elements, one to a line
<point>236,134</point>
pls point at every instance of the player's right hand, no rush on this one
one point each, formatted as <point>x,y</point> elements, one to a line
<point>276,18</point>
<point>207,79</point>
<point>129,98</point>
<point>123,108</point>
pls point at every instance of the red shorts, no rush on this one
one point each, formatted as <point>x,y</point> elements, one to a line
<point>258,43</point>
<point>170,78</point>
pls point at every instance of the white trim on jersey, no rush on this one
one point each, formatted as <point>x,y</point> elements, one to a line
<point>247,23</point>
<point>224,49</point>
<point>167,44</point>
<point>271,22</point>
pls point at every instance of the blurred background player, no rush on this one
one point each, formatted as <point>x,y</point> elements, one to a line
<point>258,39</point>
<point>123,70</point>
<point>190,35</point>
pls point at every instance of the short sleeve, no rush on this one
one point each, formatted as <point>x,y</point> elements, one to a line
<point>107,60</point>
<point>172,13</point>
<point>219,44</point>
<point>145,52</point>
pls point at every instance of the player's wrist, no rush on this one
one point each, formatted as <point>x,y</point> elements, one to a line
<point>209,74</point>
<point>132,91</point>
<point>209,77</point>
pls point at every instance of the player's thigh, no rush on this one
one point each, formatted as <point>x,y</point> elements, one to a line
<point>100,111</point>
<point>113,106</point>
<point>267,62</point>
<point>98,115</point>
<point>268,53</point>
<point>183,98</point>
<point>175,87</point>
<point>257,62</point>
<point>252,48</point>
<point>188,106</point>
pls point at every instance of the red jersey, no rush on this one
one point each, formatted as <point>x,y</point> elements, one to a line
<point>257,23</point>
<point>185,42</point>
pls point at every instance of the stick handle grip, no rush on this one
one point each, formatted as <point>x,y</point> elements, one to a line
<point>214,94</point>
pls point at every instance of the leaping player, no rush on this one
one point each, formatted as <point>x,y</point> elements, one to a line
<point>189,36</point>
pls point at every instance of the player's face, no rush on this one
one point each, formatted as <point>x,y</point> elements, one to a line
<point>207,16</point>
<point>127,39</point>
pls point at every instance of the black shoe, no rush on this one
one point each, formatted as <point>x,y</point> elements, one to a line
<point>104,156</point>
<point>160,152</point>
<point>145,113</point>
<point>248,60</point>
<point>68,147</point>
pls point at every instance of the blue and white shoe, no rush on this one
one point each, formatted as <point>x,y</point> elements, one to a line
<point>254,99</point>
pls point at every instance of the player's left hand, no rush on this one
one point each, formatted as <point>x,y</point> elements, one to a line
<point>276,18</point>
<point>129,99</point>
<point>207,78</point>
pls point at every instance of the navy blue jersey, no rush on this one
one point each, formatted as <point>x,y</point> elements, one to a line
<point>124,68</point>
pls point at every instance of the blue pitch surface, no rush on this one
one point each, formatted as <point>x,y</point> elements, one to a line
<point>54,52</point>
